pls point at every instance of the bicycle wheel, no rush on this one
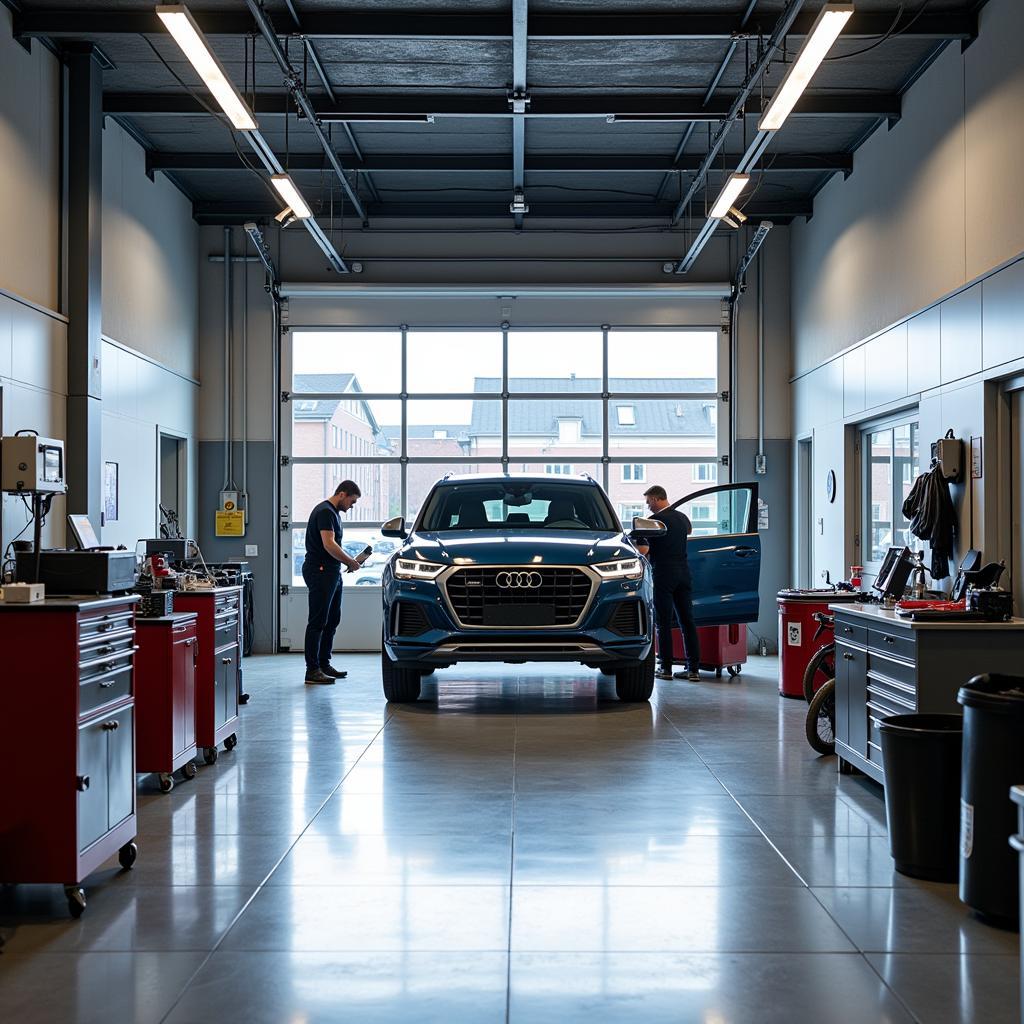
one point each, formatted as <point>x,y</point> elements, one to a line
<point>821,719</point>
<point>820,668</point>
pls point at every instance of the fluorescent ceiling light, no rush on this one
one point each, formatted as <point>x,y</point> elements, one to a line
<point>179,22</point>
<point>291,195</point>
<point>831,20</point>
<point>733,187</point>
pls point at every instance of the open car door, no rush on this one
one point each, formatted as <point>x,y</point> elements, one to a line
<point>724,551</point>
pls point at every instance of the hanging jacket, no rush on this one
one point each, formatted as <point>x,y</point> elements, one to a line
<point>932,518</point>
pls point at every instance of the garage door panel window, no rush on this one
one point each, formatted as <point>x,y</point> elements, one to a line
<point>354,540</point>
<point>396,411</point>
<point>663,361</point>
<point>451,362</point>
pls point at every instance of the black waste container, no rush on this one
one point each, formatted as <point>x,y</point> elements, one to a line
<point>921,761</point>
<point>993,762</point>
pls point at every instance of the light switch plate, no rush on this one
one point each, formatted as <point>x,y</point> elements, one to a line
<point>252,550</point>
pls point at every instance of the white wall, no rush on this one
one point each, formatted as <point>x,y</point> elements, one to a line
<point>150,297</point>
<point>933,203</point>
<point>908,289</point>
<point>30,179</point>
<point>150,276</point>
<point>140,398</point>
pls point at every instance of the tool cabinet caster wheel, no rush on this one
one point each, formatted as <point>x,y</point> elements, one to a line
<point>188,769</point>
<point>166,782</point>
<point>76,900</point>
<point>210,755</point>
<point>231,742</point>
<point>734,670</point>
<point>128,855</point>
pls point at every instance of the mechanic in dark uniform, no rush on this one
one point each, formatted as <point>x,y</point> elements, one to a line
<point>321,570</point>
<point>673,596</point>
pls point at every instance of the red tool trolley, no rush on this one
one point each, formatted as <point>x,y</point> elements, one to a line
<point>721,647</point>
<point>165,696</point>
<point>218,664</point>
<point>67,733</point>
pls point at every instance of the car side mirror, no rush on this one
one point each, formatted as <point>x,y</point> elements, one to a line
<point>394,528</point>
<point>643,527</point>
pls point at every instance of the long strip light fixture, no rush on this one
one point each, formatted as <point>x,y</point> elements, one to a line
<point>178,20</point>
<point>290,193</point>
<point>727,197</point>
<point>831,20</point>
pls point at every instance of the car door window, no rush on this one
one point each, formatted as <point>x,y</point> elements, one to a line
<point>721,511</point>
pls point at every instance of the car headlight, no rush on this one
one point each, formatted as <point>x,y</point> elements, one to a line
<point>623,569</point>
<point>413,569</point>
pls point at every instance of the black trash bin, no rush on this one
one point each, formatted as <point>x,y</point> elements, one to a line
<point>921,761</point>
<point>993,762</point>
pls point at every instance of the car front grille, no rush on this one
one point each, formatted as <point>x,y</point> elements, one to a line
<point>478,597</point>
<point>628,619</point>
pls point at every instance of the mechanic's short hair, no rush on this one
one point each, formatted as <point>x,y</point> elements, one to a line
<point>349,487</point>
<point>656,491</point>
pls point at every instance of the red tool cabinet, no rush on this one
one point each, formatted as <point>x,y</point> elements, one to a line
<point>218,663</point>
<point>165,696</point>
<point>67,730</point>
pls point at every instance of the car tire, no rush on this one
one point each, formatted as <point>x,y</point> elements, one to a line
<point>634,682</point>
<point>401,685</point>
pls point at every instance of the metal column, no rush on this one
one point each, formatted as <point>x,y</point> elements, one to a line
<point>85,207</point>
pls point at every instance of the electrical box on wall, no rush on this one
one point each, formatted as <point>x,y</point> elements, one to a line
<point>32,464</point>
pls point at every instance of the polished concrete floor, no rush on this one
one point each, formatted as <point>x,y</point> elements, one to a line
<point>523,848</point>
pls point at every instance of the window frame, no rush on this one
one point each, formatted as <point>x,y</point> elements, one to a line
<point>865,499</point>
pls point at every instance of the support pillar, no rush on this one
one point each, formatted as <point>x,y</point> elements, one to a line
<point>85,208</point>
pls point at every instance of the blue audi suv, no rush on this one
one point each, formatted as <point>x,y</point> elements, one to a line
<point>516,569</point>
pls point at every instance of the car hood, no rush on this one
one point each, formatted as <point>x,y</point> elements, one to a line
<point>517,547</point>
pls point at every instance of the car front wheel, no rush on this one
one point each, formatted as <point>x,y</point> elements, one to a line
<point>401,685</point>
<point>635,682</point>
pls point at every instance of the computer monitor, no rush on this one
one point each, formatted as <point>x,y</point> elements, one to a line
<point>84,534</point>
<point>892,577</point>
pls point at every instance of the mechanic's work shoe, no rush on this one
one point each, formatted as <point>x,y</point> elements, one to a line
<point>332,672</point>
<point>316,676</point>
<point>693,675</point>
<point>663,673</point>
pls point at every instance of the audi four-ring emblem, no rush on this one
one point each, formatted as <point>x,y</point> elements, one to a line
<point>518,580</point>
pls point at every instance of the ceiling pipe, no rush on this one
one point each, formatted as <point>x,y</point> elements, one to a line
<point>776,40</point>
<point>294,84</point>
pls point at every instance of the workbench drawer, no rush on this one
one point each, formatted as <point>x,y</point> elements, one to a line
<point>106,688</point>
<point>224,602</point>
<point>892,668</point>
<point>850,632</point>
<point>115,621</point>
<point>102,659</point>
<point>900,642</point>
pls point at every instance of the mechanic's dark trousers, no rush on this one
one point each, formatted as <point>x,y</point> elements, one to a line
<point>324,585</point>
<point>673,599</point>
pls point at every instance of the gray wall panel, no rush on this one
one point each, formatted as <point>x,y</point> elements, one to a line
<point>960,333</point>
<point>1002,305</point>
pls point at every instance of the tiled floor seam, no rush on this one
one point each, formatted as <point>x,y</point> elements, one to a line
<point>259,888</point>
<point>861,953</point>
<point>511,865</point>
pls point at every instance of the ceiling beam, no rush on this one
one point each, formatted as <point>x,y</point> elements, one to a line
<point>473,163</point>
<point>519,101</point>
<point>653,106</point>
<point>415,24</point>
<point>216,212</point>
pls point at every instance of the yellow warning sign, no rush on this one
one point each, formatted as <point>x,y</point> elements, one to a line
<point>230,524</point>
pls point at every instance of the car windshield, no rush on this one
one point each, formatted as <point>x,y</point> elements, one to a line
<point>517,505</point>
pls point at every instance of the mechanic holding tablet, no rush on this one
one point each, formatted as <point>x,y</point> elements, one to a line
<point>321,572</point>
